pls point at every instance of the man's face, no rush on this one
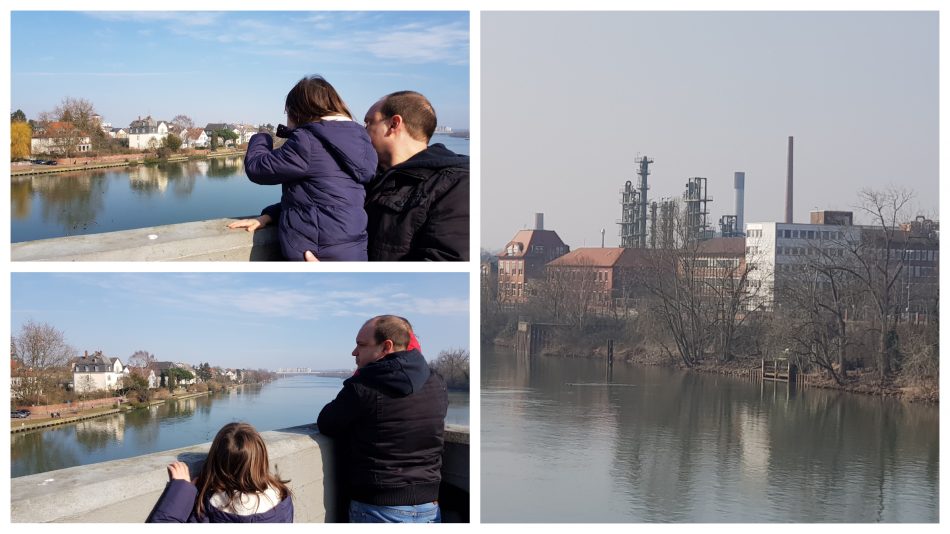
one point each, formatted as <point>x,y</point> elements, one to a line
<point>377,127</point>
<point>367,350</point>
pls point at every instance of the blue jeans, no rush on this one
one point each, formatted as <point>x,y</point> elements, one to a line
<point>361,512</point>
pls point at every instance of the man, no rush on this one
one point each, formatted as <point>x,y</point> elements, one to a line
<point>391,413</point>
<point>418,203</point>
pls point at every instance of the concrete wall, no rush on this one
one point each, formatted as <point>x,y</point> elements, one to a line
<point>195,241</point>
<point>124,491</point>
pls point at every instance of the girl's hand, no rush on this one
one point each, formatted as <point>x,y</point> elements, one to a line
<point>251,224</point>
<point>308,256</point>
<point>178,471</point>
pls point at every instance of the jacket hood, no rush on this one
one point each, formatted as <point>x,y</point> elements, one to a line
<point>400,373</point>
<point>353,153</point>
<point>434,157</point>
<point>282,513</point>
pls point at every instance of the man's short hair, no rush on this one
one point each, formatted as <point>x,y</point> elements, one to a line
<point>391,327</point>
<point>417,113</point>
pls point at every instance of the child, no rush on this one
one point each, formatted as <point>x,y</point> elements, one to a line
<point>322,168</point>
<point>235,485</point>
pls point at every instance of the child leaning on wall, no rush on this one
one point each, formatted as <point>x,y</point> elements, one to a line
<point>235,485</point>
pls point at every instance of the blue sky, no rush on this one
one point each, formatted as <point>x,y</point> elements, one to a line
<point>252,320</point>
<point>235,66</point>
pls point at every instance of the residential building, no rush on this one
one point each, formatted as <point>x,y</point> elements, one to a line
<point>59,138</point>
<point>96,373</point>
<point>194,138</point>
<point>147,133</point>
<point>523,261</point>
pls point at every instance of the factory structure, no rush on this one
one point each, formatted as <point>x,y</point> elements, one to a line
<point>775,251</point>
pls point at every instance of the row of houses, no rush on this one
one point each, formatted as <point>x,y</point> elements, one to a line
<point>771,254</point>
<point>142,133</point>
<point>96,372</point>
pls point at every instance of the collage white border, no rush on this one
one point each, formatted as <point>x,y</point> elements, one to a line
<point>474,7</point>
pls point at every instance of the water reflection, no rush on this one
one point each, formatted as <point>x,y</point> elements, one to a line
<point>284,403</point>
<point>106,200</point>
<point>672,446</point>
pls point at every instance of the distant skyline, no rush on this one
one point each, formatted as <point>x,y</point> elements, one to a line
<point>234,66</point>
<point>570,100</point>
<point>253,320</point>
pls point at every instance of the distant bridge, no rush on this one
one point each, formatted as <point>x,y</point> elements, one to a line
<point>311,372</point>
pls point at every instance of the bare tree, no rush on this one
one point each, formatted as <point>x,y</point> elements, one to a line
<point>141,359</point>
<point>77,111</point>
<point>453,367</point>
<point>183,121</point>
<point>877,262</point>
<point>41,346</point>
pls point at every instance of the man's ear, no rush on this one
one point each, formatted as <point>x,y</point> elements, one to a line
<point>388,346</point>
<point>396,122</point>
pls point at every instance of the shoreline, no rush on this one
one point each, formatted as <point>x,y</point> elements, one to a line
<point>104,163</point>
<point>92,413</point>
<point>741,368</point>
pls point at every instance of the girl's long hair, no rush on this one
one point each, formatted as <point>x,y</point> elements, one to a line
<point>237,463</point>
<point>313,97</point>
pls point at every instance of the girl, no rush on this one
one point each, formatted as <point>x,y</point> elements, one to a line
<point>322,168</point>
<point>235,485</point>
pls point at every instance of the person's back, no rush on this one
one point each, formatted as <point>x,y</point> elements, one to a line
<point>322,169</point>
<point>391,417</point>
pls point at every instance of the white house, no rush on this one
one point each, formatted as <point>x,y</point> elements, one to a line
<point>56,137</point>
<point>147,133</point>
<point>195,138</point>
<point>96,373</point>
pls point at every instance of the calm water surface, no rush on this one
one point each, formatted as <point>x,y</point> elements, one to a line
<point>123,198</point>
<point>674,446</point>
<point>283,403</point>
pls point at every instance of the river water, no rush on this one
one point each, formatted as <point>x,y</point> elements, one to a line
<point>668,446</point>
<point>123,198</point>
<point>283,403</point>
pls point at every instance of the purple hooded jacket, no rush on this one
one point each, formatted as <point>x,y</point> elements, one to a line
<point>177,504</point>
<point>321,169</point>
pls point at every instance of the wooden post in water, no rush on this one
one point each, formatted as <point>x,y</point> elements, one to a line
<point>610,359</point>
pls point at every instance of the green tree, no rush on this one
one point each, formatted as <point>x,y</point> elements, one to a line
<point>18,116</point>
<point>20,134</point>
<point>136,387</point>
<point>203,371</point>
<point>176,375</point>
<point>171,142</point>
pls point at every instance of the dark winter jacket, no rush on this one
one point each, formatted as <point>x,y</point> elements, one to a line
<point>177,505</point>
<point>322,169</point>
<point>390,416</point>
<point>418,210</point>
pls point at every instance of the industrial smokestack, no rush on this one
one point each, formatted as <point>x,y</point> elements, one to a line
<point>789,182</point>
<point>539,221</point>
<point>740,200</point>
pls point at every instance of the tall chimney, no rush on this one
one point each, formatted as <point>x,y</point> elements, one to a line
<point>740,200</point>
<point>539,221</point>
<point>789,182</point>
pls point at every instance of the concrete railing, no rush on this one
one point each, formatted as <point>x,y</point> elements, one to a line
<point>195,241</point>
<point>124,491</point>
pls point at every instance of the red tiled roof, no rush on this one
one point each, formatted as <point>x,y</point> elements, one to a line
<point>525,239</point>
<point>601,257</point>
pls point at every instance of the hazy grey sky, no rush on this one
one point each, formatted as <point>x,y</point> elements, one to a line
<point>569,100</point>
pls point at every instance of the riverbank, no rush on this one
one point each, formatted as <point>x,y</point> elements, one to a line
<point>43,416</point>
<point>857,381</point>
<point>122,160</point>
